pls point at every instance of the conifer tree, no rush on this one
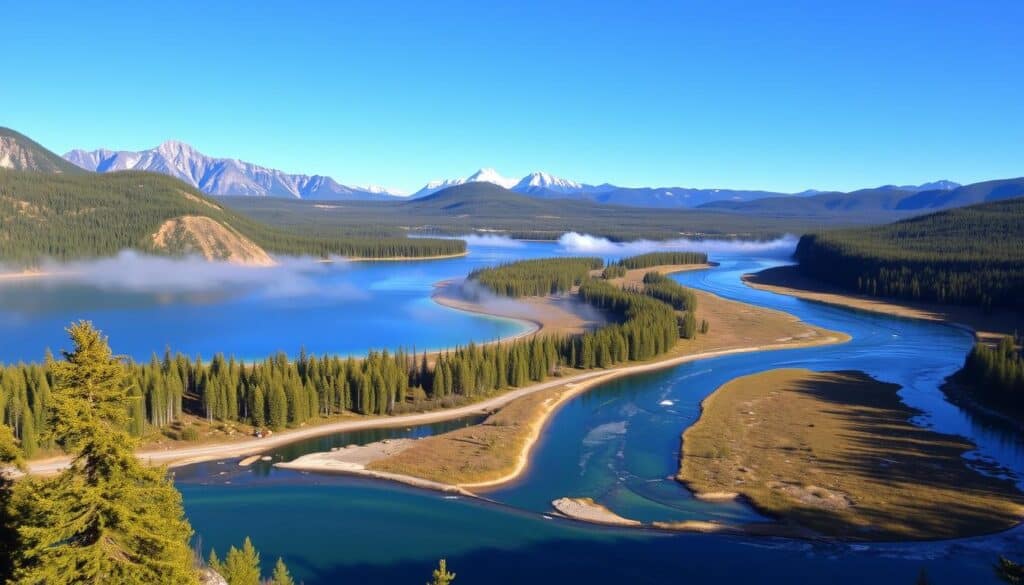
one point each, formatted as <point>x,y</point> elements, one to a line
<point>281,576</point>
<point>240,566</point>
<point>9,456</point>
<point>441,574</point>
<point>107,518</point>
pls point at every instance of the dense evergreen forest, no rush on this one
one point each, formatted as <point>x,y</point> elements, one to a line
<point>278,392</point>
<point>665,289</point>
<point>82,215</point>
<point>538,277</point>
<point>996,374</point>
<point>969,256</point>
<point>663,259</point>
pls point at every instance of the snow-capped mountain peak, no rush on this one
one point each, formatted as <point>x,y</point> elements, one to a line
<point>541,180</point>
<point>484,175</point>
<point>221,176</point>
<point>489,175</point>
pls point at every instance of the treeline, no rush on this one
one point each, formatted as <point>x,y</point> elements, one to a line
<point>663,259</point>
<point>276,393</point>
<point>665,289</point>
<point>71,216</point>
<point>648,327</point>
<point>969,256</point>
<point>996,374</point>
<point>537,277</point>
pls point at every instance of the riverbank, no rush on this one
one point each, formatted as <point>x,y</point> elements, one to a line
<point>561,315</point>
<point>788,280</point>
<point>26,274</point>
<point>498,450</point>
<point>836,454</point>
<point>405,258</point>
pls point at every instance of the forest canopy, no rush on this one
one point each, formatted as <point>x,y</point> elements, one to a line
<point>543,276</point>
<point>968,256</point>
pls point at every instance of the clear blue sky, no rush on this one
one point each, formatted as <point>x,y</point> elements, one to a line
<point>781,95</point>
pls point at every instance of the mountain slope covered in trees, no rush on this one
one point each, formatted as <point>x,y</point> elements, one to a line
<point>970,256</point>
<point>51,209</point>
<point>84,215</point>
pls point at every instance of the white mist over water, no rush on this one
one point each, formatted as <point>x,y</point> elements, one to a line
<point>491,241</point>
<point>131,271</point>
<point>577,243</point>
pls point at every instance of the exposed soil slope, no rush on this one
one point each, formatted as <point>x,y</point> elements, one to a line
<point>197,234</point>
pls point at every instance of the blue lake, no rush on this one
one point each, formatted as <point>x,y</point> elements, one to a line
<point>617,443</point>
<point>343,308</point>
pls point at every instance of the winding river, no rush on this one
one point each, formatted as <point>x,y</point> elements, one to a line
<point>617,443</point>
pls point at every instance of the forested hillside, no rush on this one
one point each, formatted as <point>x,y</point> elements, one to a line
<point>968,256</point>
<point>81,215</point>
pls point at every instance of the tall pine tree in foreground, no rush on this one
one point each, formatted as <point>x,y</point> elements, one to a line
<point>10,456</point>
<point>107,518</point>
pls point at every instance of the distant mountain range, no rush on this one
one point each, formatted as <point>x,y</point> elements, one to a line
<point>222,176</point>
<point>542,185</point>
<point>232,177</point>
<point>885,199</point>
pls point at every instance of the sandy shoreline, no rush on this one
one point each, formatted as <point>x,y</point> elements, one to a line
<point>787,280</point>
<point>551,314</point>
<point>588,510</point>
<point>27,274</point>
<point>404,258</point>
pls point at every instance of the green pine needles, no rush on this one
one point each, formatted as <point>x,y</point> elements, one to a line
<point>107,518</point>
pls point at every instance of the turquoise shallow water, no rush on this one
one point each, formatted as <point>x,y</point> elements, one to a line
<point>618,443</point>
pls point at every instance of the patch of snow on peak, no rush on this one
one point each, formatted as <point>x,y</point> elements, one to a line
<point>489,175</point>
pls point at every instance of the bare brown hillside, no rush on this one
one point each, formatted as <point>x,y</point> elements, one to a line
<point>197,234</point>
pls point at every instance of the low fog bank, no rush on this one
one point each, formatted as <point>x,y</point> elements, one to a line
<point>491,241</point>
<point>131,271</point>
<point>577,243</point>
<point>490,302</point>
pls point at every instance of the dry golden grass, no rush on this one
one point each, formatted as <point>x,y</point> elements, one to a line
<point>836,452</point>
<point>473,454</point>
